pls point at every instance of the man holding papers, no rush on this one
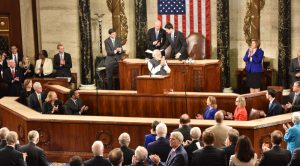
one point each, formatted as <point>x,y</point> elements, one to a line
<point>158,65</point>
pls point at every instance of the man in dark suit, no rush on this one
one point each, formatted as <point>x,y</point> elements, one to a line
<point>276,156</point>
<point>295,161</point>
<point>124,140</point>
<point>294,69</point>
<point>8,155</point>
<point>275,107</point>
<point>177,42</point>
<point>161,146</point>
<point>37,98</point>
<point>13,76</point>
<point>185,127</point>
<point>294,99</point>
<point>177,156</point>
<point>209,155</point>
<point>140,155</point>
<point>15,55</point>
<point>35,155</point>
<point>114,50</point>
<point>195,144</point>
<point>156,38</point>
<point>74,105</point>
<point>98,159</point>
<point>62,62</point>
<point>230,143</point>
<point>3,133</point>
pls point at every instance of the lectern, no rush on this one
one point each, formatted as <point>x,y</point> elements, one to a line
<point>154,84</point>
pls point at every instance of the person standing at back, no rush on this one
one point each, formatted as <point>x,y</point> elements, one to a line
<point>62,62</point>
<point>156,38</point>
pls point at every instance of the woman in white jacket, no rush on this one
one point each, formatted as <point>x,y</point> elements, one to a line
<point>44,65</point>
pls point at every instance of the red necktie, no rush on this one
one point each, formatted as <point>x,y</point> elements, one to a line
<point>13,73</point>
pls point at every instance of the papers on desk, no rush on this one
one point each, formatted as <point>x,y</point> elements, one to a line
<point>67,78</point>
<point>150,51</point>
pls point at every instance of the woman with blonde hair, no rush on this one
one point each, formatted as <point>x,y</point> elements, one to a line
<point>27,67</point>
<point>210,109</point>
<point>52,104</point>
<point>26,91</point>
<point>240,112</point>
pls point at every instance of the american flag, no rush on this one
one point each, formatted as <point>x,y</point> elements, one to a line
<point>187,16</point>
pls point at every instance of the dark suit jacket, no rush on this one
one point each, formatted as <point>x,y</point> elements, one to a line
<point>111,57</point>
<point>11,157</point>
<point>35,155</point>
<point>47,107</point>
<point>180,158</point>
<point>277,156</point>
<point>151,37</point>
<point>296,105</point>
<point>24,96</point>
<point>160,147</point>
<point>65,70</point>
<point>254,66</point>
<point>295,161</point>
<point>71,108</point>
<point>209,155</point>
<point>294,68</point>
<point>275,108</point>
<point>179,45</point>
<point>3,143</point>
<point>20,58</point>
<point>34,103</point>
<point>15,87</point>
<point>229,150</point>
<point>185,131</point>
<point>127,155</point>
<point>191,148</point>
<point>139,164</point>
<point>96,161</point>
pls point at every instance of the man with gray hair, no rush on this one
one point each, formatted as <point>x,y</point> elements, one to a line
<point>124,140</point>
<point>8,155</point>
<point>140,155</point>
<point>220,130</point>
<point>3,133</point>
<point>98,159</point>
<point>292,134</point>
<point>161,146</point>
<point>37,98</point>
<point>35,155</point>
<point>195,144</point>
<point>177,156</point>
<point>158,65</point>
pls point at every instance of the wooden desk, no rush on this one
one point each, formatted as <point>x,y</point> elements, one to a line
<point>155,84</point>
<point>63,136</point>
<point>168,105</point>
<point>202,76</point>
<point>52,81</point>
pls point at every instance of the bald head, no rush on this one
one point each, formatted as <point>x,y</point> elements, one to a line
<point>97,148</point>
<point>219,116</point>
<point>157,25</point>
<point>185,119</point>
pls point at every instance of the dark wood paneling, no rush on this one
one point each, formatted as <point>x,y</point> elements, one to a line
<point>12,9</point>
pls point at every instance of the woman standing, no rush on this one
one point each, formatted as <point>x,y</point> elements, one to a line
<point>27,67</point>
<point>253,58</point>
<point>44,65</point>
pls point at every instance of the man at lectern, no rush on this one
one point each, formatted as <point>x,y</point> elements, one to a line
<point>158,65</point>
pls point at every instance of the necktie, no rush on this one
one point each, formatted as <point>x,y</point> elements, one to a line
<point>171,155</point>
<point>295,97</point>
<point>13,73</point>
<point>156,35</point>
<point>40,100</point>
<point>270,105</point>
<point>172,37</point>
<point>61,57</point>
<point>113,42</point>
<point>15,57</point>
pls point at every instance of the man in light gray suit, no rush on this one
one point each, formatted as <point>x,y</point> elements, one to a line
<point>114,52</point>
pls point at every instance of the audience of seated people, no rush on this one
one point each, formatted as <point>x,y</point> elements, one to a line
<point>238,150</point>
<point>152,136</point>
<point>184,126</point>
<point>210,109</point>
<point>27,68</point>
<point>74,105</point>
<point>37,98</point>
<point>220,130</point>
<point>124,141</point>
<point>26,92</point>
